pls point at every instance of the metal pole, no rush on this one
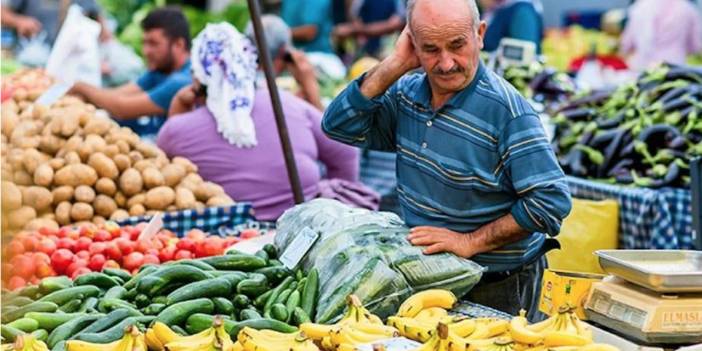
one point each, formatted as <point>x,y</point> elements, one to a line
<point>265,61</point>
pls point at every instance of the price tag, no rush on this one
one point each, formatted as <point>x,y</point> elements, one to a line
<point>154,225</point>
<point>54,93</point>
<point>299,247</point>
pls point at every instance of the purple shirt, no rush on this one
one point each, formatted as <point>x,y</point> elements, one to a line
<point>258,174</point>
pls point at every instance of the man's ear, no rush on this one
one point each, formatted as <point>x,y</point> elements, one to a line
<point>482,28</point>
<point>181,44</point>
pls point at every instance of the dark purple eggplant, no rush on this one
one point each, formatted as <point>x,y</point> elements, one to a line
<point>609,123</point>
<point>580,114</point>
<point>621,167</point>
<point>594,98</point>
<point>670,95</point>
<point>658,136</point>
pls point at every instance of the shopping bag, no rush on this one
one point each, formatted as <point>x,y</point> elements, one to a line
<point>76,55</point>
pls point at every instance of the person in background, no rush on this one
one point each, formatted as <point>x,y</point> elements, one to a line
<point>311,22</point>
<point>143,105</point>
<point>370,21</point>
<point>517,19</point>
<point>226,126</point>
<point>285,57</point>
<point>661,31</point>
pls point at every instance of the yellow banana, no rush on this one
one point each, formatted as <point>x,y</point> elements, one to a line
<point>164,333</point>
<point>481,332</point>
<point>140,343</point>
<point>79,345</point>
<point>426,299</point>
<point>377,329</point>
<point>327,343</point>
<point>413,329</point>
<point>25,342</point>
<point>237,347</point>
<point>497,327</point>
<point>560,338</point>
<point>348,335</point>
<point>598,347</point>
<point>346,347</point>
<point>152,340</point>
<point>316,331</point>
<point>520,333</point>
<point>463,327</point>
<point>432,313</point>
<point>583,329</point>
<point>543,325</point>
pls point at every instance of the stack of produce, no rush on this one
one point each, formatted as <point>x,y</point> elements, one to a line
<point>64,164</point>
<point>26,84</point>
<point>644,133</point>
<point>561,46</point>
<point>73,251</point>
<point>540,83</point>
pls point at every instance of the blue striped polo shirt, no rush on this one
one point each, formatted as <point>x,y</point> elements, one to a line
<point>482,155</point>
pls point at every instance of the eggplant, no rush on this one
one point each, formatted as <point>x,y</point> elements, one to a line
<point>580,114</point>
<point>621,167</point>
<point>692,90</point>
<point>658,136</point>
<point>680,103</point>
<point>613,122</point>
<point>594,98</point>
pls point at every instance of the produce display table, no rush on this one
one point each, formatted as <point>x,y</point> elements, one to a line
<point>648,218</point>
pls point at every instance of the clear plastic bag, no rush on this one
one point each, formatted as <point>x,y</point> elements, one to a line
<point>367,254</point>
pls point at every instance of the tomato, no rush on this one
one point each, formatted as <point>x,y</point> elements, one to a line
<point>86,231</point>
<point>14,248</point>
<point>30,242</point>
<point>83,254</point>
<point>167,253</point>
<point>46,231</point>
<point>182,254</point>
<point>80,271</point>
<point>229,241</point>
<point>133,260</point>
<point>16,283</point>
<point>151,252</point>
<point>125,246</point>
<point>112,251</point>
<point>40,257</point>
<point>73,234</point>
<point>44,270</point>
<point>96,262</point>
<point>186,244</point>
<point>83,243</point>
<point>60,260</point>
<point>213,246</point>
<point>63,231</point>
<point>77,264</point>
<point>97,248</point>
<point>53,238</point>
<point>66,243</point>
<point>134,233</point>
<point>196,235</point>
<point>46,246</point>
<point>110,264</point>
<point>152,259</point>
<point>102,235</point>
<point>249,233</point>
<point>23,266</point>
<point>113,228</point>
<point>157,244</point>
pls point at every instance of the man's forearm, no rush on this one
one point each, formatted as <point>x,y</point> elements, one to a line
<point>304,33</point>
<point>505,230</point>
<point>381,77</point>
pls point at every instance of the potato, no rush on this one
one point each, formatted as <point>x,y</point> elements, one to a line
<point>51,144</point>
<point>123,146</point>
<point>119,215</point>
<point>22,178</point>
<point>104,206</point>
<point>44,175</point>
<point>111,151</point>
<point>159,198</point>
<point>62,193</point>
<point>9,121</point>
<point>84,193</point>
<point>72,158</point>
<point>49,215</point>
<point>137,210</point>
<point>81,212</point>
<point>19,217</point>
<point>11,196</point>
<point>130,182</point>
<point>69,124</point>
<point>37,197</point>
<point>106,186</point>
<point>40,112</point>
<point>141,165</point>
<point>123,162</point>
<point>63,213</point>
<point>32,160</point>
<point>171,208</point>
<point>161,161</point>
<point>73,143</point>
<point>152,213</point>
<point>136,199</point>
<point>84,152</point>
<point>105,167</point>
<point>99,220</point>
<point>147,150</point>
<point>135,156</point>
<point>189,166</point>
<point>120,199</point>
<point>173,174</point>
<point>38,223</point>
<point>30,142</point>
<point>97,126</point>
<point>57,163</point>
<point>185,198</point>
<point>152,177</point>
<point>206,190</point>
<point>96,142</point>
<point>75,175</point>
<point>219,200</point>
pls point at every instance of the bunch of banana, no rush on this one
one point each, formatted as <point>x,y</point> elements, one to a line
<point>470,329</point>
<point>562,329</point>
<point>26,342</point>
<point>268,340</point>
<point>133,340</point>
<point>215,338</point>
<point>426,299</point>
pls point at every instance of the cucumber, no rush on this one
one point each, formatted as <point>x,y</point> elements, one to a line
<point>108,305</point>
<point>275,274</point>
<point>215,287</point>
<point>88,305</point>
<point>115,292</point>
<point>262,254</point>
<point>279,312</point>
<point>241,301</point>
<point>179,312</point>
<point>308,299</point>
<point>299,316</point>
<point>298,274</point>
<point>107,321</point>
<point>115,332</point>
<point>249,313</point>
<point>154,309</point>
<point>272,251</point>
<point>260,301</point>
<point>233,277</point>
<point>51,284</point>
<point>66,330</point>
<point>253,286</point>
<point>143,271</point>
<point>223,306</point>
<point>18,301</point>
<point>36,306</point>
<point>177,274</point>
<point>262,323</point>
<point>60,346</point>
<point>30,291</point>
<point>9,333</point>
<point>195,263</point>
<point>116,272</point>
<point>25,324</point>
<point>276,292</point>
<point>236,262</point>
<point>130,294</point>
<point>50,321</point>
<point>179,330</point>
<point>40,334</point>
<point>200,321</point>
<point>301,285</point>
<point>77,292</point>
<point>70,306</point>
<point>141,301</point>
<point>292,302</point>
<point>160,299</point>
<point>101,280</point>
<point>283,297</point>
<point>274,263</point>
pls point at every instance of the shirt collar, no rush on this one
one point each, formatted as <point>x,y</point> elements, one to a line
<point>423,94</point>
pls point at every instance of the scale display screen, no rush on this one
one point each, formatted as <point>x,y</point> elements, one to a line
<point>513,52</point>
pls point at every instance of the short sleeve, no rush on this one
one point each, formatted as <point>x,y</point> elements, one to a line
<point>163,93</point>
<point>146,81</point>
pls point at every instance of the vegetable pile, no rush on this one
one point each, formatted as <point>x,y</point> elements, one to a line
<point>540,83</point>
<point>644,133</point>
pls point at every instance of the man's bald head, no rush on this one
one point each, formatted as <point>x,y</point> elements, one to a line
<point>443,8</point>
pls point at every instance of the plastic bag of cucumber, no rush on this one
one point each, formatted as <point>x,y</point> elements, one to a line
<point>366,254</point>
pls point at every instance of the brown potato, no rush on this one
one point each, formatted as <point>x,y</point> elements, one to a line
<point>219,200</point>
<point>97,126</point>
<point>62,193</point>
<point>141,165</point>
<point>81,212</point>
<point>37,197</point>
<point>152,177</point>
<point>171,208</point>
<point>63,213</point>
<point>173,174</point>
<point>11,196</point>
<point>19,217</point>
<point>75,175</point>
<point>130,182</point>
<point>147,150</point>
<point>38,223</point>
<point>104,166</point>
<point>106,186</point>
<point>207,190</point>
<point>96,142</point>
<point>159,198</point>
<point>135,156</point>
<point>51,144</point>
<point>123,146</point>
<point>32,160</point>
<point>44,175</point>
<point>137,210</point>
<point>120,199</point>
<point>99,220</point>
<point>104,206</point>
<point>136,199</point>
<point>111,151</point>
<point>123,162</point>
<point>185,198</point>
<point>57,163</point>
<point>84,152</point>
<point>72,158</point>
<point>189,166</point>
<point>84,193</point>
<point>119,215</point>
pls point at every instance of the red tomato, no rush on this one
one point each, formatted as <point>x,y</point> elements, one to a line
<point>112,251</point>
<point>249,233</point>
<point>96,262</point>
<point>83,243</point>
<point>60,260</point>
<point>167,253</point>
<point>196,235</point>
<point>182,254</point>
<point>110,264</point>
<point>80,271</point>
<point>186,244</point>
<point>86,231</point>
<point>229,241</point>
<point>134,233</point>
<point>125,246</point>
<point>46,231</point>
<point>53,238</point>
<point>73,234</point>
<point>83,254</point>
<point>66,243</point>
<point>23,266</point>
<point>133,260</point>
<point>30,242</point>
<point>63,231</point>
<point>77,264</point>
<point>157,244</point>
<point>16,283</point>
<point>113,228</point>
<point>102,235</point>
<point>47,246</point>
<point>151,252</point>
<point>44,270</point>
<point>97,248</point>
<point>14,248</point>
<point>152,259</point>
<point>40,257</point>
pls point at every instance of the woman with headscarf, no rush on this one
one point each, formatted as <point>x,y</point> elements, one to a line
<point>517,19</point>
<point>232,136</point>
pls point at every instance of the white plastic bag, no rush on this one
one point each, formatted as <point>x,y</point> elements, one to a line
<point>76,55</point>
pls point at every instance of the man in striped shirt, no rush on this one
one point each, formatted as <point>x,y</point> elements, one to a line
<point>476,174</point>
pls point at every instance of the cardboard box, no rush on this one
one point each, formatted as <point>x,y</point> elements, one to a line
<point>563,287</point>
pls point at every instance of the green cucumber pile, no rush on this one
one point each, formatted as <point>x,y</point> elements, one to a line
<point>254,291</point>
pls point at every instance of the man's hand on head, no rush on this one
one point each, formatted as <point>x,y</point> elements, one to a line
<point>437,240</point>
<point>405,55</point>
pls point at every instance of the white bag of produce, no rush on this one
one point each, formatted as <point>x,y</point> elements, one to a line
<point>367,254</point>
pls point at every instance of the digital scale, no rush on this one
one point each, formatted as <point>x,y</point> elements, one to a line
<point>512,52</point>
<point>653,296</point>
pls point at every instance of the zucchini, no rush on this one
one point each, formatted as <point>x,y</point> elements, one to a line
<point>49,320</point>
<point>40,334</point>
<point>154,309</point>
<point>241,301</point>
<point>272,251</point>
<point>101,280</point>
<point>253,286</point>
<point>160,299</point>
<point>70,306</point>
<point>301,285</point>
<point>116,272</point>
<point>223,306</point>
<point>88,305</point>
<point>200,321</point>
<point>9,333</point>
<point>215,287</point>
<point>179,312</point>
<point>274,263</point>
<point>236,262</point>
<point>195,263</point>
<point>260,301</point>
<point>24,324</point>
<point>299,316</point>
<point>77,292</point>
<point>130,294</point>
<point>60,346</point>
<point>66,330</point>
<point>107,321</point>
<point>115,332</point>
<point>279,312</point>
<point>36,306</point>
<point>154,283</point>
<point>143,271</point>
<point>249,313</point>
<point>276,292</point>
<point>275,274</point>
<point>308,299</point>
<point>115,292</point>
<point>262,323</point>
<point>292,302</point>
<point>51,284</point>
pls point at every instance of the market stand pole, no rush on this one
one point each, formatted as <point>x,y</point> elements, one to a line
<point>265,61</point>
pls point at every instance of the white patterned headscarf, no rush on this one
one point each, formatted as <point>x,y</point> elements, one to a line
<point>226,61</point>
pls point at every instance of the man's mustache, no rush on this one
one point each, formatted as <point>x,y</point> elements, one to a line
<point>454,69</point>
